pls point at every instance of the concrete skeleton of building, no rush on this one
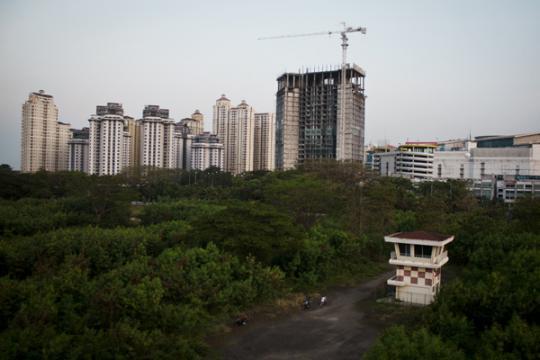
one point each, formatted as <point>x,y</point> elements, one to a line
<point>44,140</point>
<point>247,136</point>
<point>308,116</point>
<point>419,257</point>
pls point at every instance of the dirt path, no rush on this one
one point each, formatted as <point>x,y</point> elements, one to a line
<point>336,331</point>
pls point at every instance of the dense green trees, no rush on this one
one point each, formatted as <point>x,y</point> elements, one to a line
<point>492,310</point>
<point>84,273</point>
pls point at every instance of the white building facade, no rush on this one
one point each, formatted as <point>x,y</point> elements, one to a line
<point>206,151</point>
<point>107,145</point>
<point>412,160</point>
<point>479,162</point>
<point>158,148</point>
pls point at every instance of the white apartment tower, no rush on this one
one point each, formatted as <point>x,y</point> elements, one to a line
<point>43,138</point>
<point>158,145</point>
<point>108,153</point>
<point>206,151</point>
<point>264,141</point>
<point>78,150</point>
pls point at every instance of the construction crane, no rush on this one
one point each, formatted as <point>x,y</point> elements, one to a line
<point>344,45</point>
<point>343,33</point>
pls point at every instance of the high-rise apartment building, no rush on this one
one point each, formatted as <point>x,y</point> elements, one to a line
<point>43,138</point>
<point>239,138</point>
<point>158,148</point>
<point>62,154</point>
<point>133,135</point>
<point>78,150</point>
<point>264,141</point>
<point>195,123</point>
<point>221,115</point>
<point>109,140</point>
<point>310,121</point>
<point>206,151</point>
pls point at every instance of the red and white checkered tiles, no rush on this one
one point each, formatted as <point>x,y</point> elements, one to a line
<point>418,276</point>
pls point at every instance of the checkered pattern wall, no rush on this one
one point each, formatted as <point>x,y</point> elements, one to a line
<point>418,276</point>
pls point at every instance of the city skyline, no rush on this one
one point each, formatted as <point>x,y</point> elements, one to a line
<point>472,72</point>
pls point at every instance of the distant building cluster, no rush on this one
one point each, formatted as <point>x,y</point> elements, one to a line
<point>501,167</point>
<point>248,137</point>
<point>319,115</point>
<point>243,140</point>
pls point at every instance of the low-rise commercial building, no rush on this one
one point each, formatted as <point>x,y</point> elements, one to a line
<point>414,160</point>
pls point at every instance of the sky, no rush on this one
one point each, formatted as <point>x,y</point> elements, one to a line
<point>435,69</point>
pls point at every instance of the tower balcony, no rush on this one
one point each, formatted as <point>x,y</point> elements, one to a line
<point>396,281</point>
<point>430,263</point>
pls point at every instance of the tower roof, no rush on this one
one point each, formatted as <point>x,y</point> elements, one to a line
<point>223,97</point>
<point>420,235</point>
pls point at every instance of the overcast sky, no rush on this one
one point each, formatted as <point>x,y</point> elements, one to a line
<point>435,69</point>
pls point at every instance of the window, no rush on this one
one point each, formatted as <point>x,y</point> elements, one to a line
<point>422,251</point>
<point>404,249</point>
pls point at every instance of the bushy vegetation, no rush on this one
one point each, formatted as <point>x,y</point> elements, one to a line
<point>85,272</point>
<point>492,311</point>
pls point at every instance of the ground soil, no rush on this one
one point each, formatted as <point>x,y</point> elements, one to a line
<point>343,329</point>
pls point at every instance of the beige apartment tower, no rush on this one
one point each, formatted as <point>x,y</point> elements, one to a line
<point>43,139</point>
<point>238,143</point>
<point>221,114</point>
<point>264,142</point>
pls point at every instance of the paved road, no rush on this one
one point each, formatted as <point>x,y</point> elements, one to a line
<point>336,331</point>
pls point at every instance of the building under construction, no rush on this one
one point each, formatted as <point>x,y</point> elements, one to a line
<point>309,120</point>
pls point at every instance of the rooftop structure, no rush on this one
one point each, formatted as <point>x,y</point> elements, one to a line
<point>155,111</point>
<point>418,257</point>
<point>110,109</point>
